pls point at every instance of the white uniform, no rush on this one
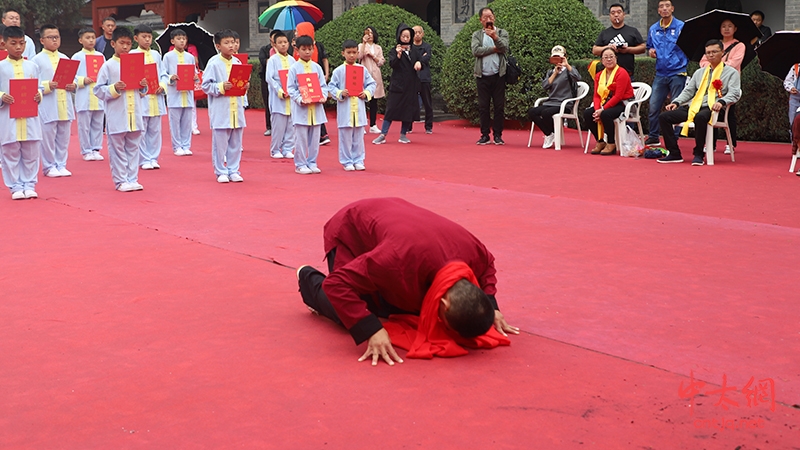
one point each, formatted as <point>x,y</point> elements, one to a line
<point>351,115</point>
<point>19,138</point>
<point>56,112</point>
<point>179,103</point>
<point>282,138</point>
<point>225,115</point>
<point>307,118</point>
<point>152,109</point>
<point>89,107</point>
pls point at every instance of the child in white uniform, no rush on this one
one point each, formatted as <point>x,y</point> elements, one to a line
<point>282,135</point>
<point>89,107</point>
<point>152,104</point>
<point>179,103</point>
<point>307,116</point>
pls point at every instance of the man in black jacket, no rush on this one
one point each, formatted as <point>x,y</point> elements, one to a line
<point>424,51</point>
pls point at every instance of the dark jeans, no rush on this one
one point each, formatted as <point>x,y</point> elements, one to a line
<point>373,112</point>
<point>668,119</point>
<point>427,103</point>
<point>542,116</point>
<point>607,118</point>
<point>265,97</point>
<point>492,89</point>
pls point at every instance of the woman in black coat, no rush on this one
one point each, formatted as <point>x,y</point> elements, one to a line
<point>402,98</point>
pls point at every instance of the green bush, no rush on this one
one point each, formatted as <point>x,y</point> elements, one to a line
<point>761,113</point>
<point>385,19</point>
<point>534,27</point>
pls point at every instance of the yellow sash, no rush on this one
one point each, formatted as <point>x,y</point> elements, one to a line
<point>602,90</point>
<point>697,101</point>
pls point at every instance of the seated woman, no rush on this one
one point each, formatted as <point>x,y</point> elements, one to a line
<point>558,83</point>
<point>612,87</point>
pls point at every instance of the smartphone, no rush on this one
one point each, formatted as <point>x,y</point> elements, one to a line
<point>556,59</point>
<point>489,24</point>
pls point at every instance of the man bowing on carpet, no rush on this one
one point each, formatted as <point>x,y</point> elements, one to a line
<point>389,257</point>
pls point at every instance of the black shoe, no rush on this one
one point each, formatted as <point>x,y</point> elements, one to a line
<point>499,141</point>
<point>697,161</point>
<point>652,141</point>
<point>483,140</point>
<point>673,157</point>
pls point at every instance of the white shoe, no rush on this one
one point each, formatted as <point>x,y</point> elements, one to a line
<point>289,155</point>
<point>125,187</point>
<point>179,152</point>
<point>727,149</point>
<point>136,186</point>
<point>195,131</point>
<point>187,152</point>
<point>223,179</point>
<point>53,173</point>
<point>64,172</point>
<point>30,193</point>
<point>97,156</point>
<point>303,170</point>
<point>314,169</point>
<point>359,167</point>
<point>88,156</point>
<point>19,195</point>
<point>549,140</point>
<point>349,168</point>
<point>374,129</point>
<point>236,178</point>
<point>276,155</point>
<point>147,166</point>
<point>155,165</point>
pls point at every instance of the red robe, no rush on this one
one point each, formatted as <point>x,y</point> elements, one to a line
<point>394,248</point>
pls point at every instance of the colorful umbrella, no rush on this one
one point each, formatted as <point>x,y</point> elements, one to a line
<point>287,14</point>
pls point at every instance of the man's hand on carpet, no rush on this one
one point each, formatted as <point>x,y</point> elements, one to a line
<point>502,326</point>
<point>380,345</point>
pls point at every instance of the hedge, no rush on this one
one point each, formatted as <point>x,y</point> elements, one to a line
<point>534,26</point>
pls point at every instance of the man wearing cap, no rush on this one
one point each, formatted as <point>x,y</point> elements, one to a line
<point>559,83</point>
<point>625,40</point>
<point>489,47</point>
<point>380,265</point>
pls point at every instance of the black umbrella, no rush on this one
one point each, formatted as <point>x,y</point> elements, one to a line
<point>202,39</point>
<point>701,29</point>
<point>779,53</point>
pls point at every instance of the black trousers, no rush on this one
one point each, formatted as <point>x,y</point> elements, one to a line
<point>427,103</point>
<point>668,119</point>
<point>373,112</point>
<point>607,118</point>
<point>265,97</point>
<point>492,92</point>
<point>542,116</point>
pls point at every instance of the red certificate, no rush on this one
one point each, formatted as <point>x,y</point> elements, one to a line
<point>131,69</point>
<point>185,77</point>
<point>23,92</point>
<point>242,57</point>
<point>198,87</point>
<point>65,72</point>
<point>3,54</point>
<point>284,76</point>
<point>354,79</point>
<point>151,75</point>
<point>239,77</point>
<point>93,65</point>
<point>309,87</point>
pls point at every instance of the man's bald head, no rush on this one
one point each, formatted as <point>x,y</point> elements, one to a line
<point>470,312</point>
<point>419,33</point>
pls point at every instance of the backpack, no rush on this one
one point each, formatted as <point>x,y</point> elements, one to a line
<point>513,70</point>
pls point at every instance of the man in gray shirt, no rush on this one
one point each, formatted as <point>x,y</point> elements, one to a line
<point>489,46</point>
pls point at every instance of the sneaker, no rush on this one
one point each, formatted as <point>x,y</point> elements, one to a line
<point>379,140</point>
<point>276,155</point>
<point>195,131</point>
<point>359,166</point>
<point>671,158</point>
<point>404,140</point>
<point>349,168</point>
<point>53,173</point>
<point>374,129</point>
<point>236,178</point>
<point>697,161</point>
<point>179,152</point>
<point>499,141</point>
<point>288,155</point>
<point>549,140</point>
<point>88,156</point>
<point>409,131</point>
<point>125,187</point>
<point>97,156</point>
<point>147,166</point>
<point>428,131</point>
<point>727,149</point>
<point>64,172</point>
<point>135,186</point>
<point>314,169</point>
<point>652,141</point>
<point>187,152</point>
<point>223,179</point>
<point>324,140</point>
<point>303,170</point>
<point>155,165</point>
<point>268,133</point>
<point>18,195</point>
<point>483,140</point>
<point>30,193</point>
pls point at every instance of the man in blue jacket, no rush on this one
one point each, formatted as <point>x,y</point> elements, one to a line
<point>670,63</point>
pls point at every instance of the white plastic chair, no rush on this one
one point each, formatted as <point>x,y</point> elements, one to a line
<point>583,90</point>
<point>641,94</point>
<point>717,123</point>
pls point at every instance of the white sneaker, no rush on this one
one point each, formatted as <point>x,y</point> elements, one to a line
<point>155,165</point>
<point>195,131</point>
<point>18,195</point>
<point>64,172</point>
<point>276,155</point>
<point>289,155</point>
<point>374,129</point>
<point>379,140</point>
<point>187,152</point>
<point>125,187</point>
<point>53,173</point>
<point>88,156</point>
<point>315,169</point>
<point>97,156</point>
<point>30,193</point>
<point>147,166</point>
<point>404,140</point>
<point>236,178</point>
<point>727,149</point>
<point>360,167</point>
<point>549,140</point>
<point>303,170</point>
<point>223,179</point>
<point>179,152</point>
<point>136,186</point>
<point>349,168</point>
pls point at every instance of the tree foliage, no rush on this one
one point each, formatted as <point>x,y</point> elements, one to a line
<point>534,27</point>
<point>63,13</point>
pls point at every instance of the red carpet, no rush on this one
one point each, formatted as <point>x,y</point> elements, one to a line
<point>155,319</point>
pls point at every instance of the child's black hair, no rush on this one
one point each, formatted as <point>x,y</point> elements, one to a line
<point>349,44</point>
<point>222,34</point>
